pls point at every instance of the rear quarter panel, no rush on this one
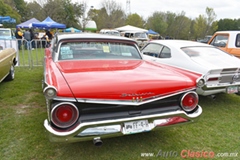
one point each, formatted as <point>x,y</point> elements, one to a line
<point>7,57</point>
<point>53,77</point>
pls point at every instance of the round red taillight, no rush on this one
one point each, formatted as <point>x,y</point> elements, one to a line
<point>64,115</point>
<point>189,101</point>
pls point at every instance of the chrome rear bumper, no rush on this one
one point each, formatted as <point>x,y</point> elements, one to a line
<point>115,127</point>
<point>206,91</point>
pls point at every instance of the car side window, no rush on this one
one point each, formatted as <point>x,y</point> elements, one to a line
<point>220,41</point>
<point>165,53</point>
<point>152,50</point>
<point>237,40</point>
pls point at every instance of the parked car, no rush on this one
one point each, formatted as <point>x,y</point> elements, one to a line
<point>206,39</point>
<point>6,34</point>
<point>139,36</point>
<point>228,41</point>
<point>98,86</point>
<point>110,32</point>
<point>220,70</point>
<point>7,63</point>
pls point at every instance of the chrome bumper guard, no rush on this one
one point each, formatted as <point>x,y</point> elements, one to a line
<point>115,127</point>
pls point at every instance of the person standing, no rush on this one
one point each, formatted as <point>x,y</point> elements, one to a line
<point>19,36</point>
<point>32,38</point>
<point>27,37</point>
<point>48,37</point>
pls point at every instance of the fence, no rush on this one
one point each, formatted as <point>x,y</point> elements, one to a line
<point>29,53</point>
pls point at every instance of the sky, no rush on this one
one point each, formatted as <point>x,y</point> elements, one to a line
<point>192,8</point>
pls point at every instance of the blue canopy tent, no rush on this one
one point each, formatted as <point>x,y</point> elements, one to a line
<point>152,32</point>
<point>71,29</point>
<point>47,24</point>
<point>7,19</point>
<point>27,24</point>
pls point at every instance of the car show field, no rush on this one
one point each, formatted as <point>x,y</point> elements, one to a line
<point>119,80</point>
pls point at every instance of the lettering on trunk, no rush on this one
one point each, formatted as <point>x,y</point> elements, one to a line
<point>136,94</point>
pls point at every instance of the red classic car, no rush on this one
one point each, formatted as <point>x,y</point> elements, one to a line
<point>98,86</point>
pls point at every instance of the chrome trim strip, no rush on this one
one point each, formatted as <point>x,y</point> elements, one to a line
<point>82,126</point>
<point>130,102</point>
<point>65,99</point>
<point>221,85</point>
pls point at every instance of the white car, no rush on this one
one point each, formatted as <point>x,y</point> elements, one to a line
<point>220,70</point>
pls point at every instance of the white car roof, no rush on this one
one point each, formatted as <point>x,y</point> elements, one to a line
<point>81,35</point>
<point>180,43</point>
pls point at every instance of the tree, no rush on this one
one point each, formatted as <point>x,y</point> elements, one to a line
<point>21,7</point>
<point>227,24</point>
<point>112,15</point>
<point>211,17</point>
<point>200,27</point>
<point>182,28</point>
<point>7,10</point>
<point>55,10</point>
<point>85,18</point>
<point>35,13</point>
<point>171,23</point>
<point>61,11</point>
<point>135,20</point>
<point>72,13</point>
<point>157,22</point>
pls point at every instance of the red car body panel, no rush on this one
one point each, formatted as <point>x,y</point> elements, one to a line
<point>110,79</point>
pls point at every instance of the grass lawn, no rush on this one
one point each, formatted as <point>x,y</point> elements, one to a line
<point>22,135</point>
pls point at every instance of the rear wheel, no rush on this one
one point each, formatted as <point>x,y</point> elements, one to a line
<point>11,74</point>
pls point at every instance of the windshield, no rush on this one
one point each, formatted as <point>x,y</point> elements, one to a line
<point>113,33</point>
<point>5,33</point>
<point>206,52</point>
<point>97,50</point>
<point>140,35</point>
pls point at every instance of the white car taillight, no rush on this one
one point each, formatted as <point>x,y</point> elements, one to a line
<point>189,101</point>
<point>64,115</point>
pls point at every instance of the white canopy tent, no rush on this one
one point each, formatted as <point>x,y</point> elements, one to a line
<point>130,28</point>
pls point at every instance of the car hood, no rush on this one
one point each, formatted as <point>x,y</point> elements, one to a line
<point>215,62</point>
<point>121,79</point>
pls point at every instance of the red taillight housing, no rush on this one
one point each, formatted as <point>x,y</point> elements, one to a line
<point>64,115</point>
<point>189,101</point>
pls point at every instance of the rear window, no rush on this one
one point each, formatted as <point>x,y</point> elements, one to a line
<point>97,50</point>
<point>204,52</point>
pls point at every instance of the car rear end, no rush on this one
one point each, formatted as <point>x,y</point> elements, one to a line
<point>72,121</point>
<point>221,81</point>
<point>104,95</point>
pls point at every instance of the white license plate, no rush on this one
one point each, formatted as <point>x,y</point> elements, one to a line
<point>232,89</point>
<point>136,126</point>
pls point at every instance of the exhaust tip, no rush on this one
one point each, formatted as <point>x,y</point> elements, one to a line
<point>213,97</point>
<point>97,141</point>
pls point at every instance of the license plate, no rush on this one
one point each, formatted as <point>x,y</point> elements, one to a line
<point>136,126</point>
<point>232,89</point>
